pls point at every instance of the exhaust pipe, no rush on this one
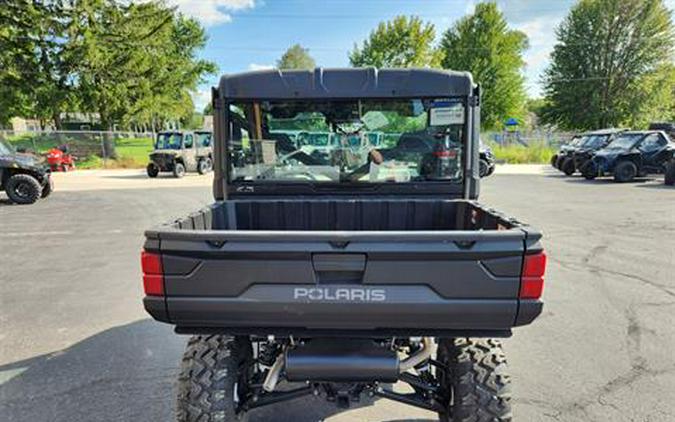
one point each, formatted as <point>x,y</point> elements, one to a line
<point>420,356</point>
<point>341,360</point>
<point>331,360</point>
<point>272,378</point>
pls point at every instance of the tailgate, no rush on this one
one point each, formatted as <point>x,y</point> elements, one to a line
<point>424,281</point>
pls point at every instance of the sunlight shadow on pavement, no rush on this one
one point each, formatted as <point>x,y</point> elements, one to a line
<point>125,373</point>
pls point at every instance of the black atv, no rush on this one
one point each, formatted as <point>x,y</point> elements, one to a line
<point>23,177</point>
<point>557,158</point>
<point>632,154</point>
<point>576,157</point>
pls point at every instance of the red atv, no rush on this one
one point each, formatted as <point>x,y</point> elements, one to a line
<point>59,159</point>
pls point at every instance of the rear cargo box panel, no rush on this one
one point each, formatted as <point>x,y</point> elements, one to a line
<point>343,264</point>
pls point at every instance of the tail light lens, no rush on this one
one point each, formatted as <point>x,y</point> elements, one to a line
<point>153,276</point>
<point>445,154</point>
<point>532,277</point>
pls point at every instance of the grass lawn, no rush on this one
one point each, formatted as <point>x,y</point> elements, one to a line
<point>133,152</point>
<point>536,153</point>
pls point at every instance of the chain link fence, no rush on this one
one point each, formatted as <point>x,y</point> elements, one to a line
<point>527,138</point>
<point>91,149</point>
<point>526,146</point>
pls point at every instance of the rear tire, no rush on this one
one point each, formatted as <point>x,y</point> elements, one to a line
<point>152,170</point>
<point>23,189</point>
<point>589,171</point>
<point>478,386</point>
<point>568,166</point>
<point>669,178</point>
<point>483,168</point>
<point>178,170</point>
<point>554,159</point>
<point>625,171</point>
<point>202,167</point>
<point>209,382</point>
<point>47,189</point>
<point>559,161</point>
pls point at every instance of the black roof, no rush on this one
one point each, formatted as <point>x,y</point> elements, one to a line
<point>641,132</point>
<point>323,83</point>
<point>608,131</point>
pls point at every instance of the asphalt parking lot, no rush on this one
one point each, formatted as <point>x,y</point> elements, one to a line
<point>76,345</point>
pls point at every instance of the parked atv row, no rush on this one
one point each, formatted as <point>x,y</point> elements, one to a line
<point>179,152</point>
<point>572,156</point>
<point>620,153</point>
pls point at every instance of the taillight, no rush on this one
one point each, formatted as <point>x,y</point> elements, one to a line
<point>153,278</point>
<point>445,154</point>
<point>532,278</point>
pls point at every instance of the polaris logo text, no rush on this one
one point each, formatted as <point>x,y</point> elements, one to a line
<point>339,294</point>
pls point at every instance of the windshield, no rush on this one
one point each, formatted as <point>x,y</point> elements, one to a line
<point>626,141</point>
<point>595,141</point>
<point>5,148</point>
<point>576,140</point>
<point>347,140</point>
<point>168,141</point>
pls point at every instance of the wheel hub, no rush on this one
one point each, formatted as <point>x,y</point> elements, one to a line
<point>22,190</point>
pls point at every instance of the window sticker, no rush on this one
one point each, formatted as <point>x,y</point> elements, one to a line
<point>446,114</point>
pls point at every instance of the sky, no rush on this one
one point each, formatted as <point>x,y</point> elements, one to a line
<point>253,34</point>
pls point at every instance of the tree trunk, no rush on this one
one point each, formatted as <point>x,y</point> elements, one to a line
<point>107,140</point>
<point>56,118</point>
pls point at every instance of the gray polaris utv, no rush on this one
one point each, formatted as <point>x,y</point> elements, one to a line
<point>334,280</point>
<point>179,152</point>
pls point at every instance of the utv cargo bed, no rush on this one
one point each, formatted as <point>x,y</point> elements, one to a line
<point>383,266</point>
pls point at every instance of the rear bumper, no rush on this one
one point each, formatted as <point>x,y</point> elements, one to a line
<point>419,314</point>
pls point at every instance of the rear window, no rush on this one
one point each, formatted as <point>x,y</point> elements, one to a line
<point>348,141</point>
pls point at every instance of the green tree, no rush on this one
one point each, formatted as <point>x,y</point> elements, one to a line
<point>193,122</point>
<point>534,109</point>
<point>401,42</point>
<point>139,62</point>
<point>296,57</point>
<point>208,109</point>
<point>483,44</point>
<point>130,63</point>
<point>38,69</point>
<point>606,54</point>
<point>655,98</point>
<point>11,103</point>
